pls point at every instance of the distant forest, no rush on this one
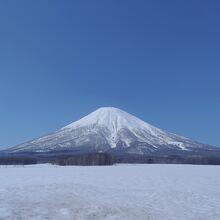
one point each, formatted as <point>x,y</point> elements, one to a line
<point>84,160</point>
<point>17,160</point>
<point>100,159</point>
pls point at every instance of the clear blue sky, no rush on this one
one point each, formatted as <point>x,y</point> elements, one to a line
<point>60,60</point>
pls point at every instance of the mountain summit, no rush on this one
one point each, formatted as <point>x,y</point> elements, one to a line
<point>109,129</point>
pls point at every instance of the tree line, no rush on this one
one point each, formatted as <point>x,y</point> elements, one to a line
<point>106,159</point>
<point>17,160</point>
<point>98,159</point>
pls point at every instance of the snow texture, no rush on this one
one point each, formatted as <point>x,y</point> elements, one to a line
<point>121,192</point>
<point>108,128</point>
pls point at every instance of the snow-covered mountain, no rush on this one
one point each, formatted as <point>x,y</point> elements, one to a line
<point>110,129</point>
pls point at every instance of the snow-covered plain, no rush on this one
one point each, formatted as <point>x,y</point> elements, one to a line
<point>154,192</point>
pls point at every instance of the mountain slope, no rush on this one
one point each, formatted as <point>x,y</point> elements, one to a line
<point>114,130</point>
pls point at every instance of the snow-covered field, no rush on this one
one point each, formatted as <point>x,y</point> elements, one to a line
<point>154,192</point>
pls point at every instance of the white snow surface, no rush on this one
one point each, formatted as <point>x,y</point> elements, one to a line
<point>110,127</point>
<point>115,120</point>
<point>112,118</point>
<point>120,192</point>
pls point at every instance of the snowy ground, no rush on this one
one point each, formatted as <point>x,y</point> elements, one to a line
<point>154,192</point>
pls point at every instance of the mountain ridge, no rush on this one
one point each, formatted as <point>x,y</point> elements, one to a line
<point>111,129</point>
